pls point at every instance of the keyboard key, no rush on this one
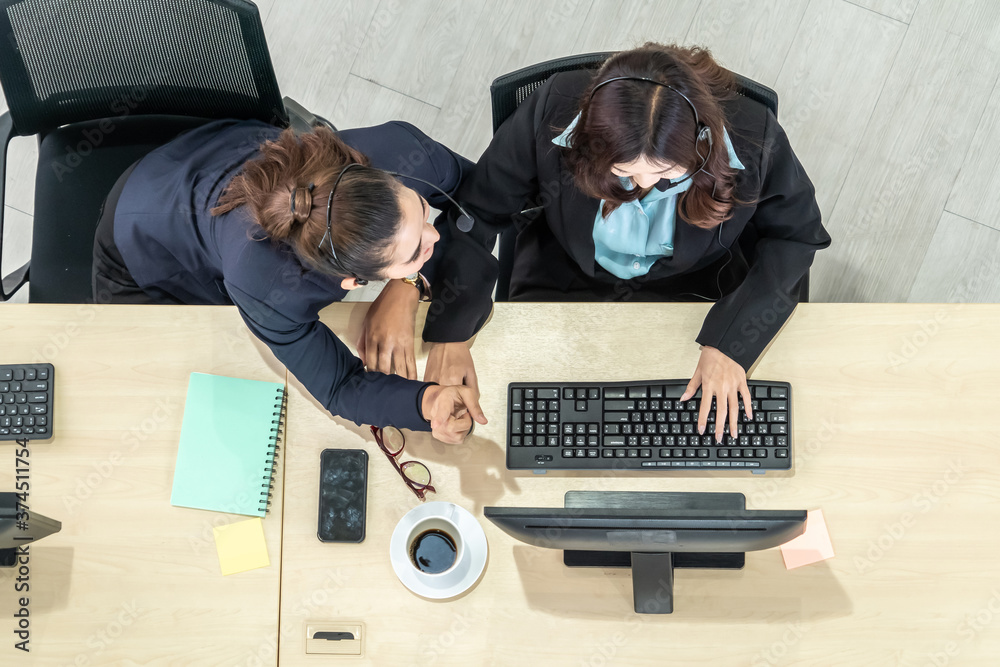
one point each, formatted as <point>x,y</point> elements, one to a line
<point>6,375</point>
<point>638,392</point>
<point>615,392</point>
<point>529,394</point>
<point>546,394</point>
<point>581,406</point>
<point>516,399</point>
<point>645,453</point>
<point>779,392</point>
<point>773,405</point>
<point>515,441</point>
<point>619,405</point>
<point>568,393</point>
<point>781,453</point>
<point>615,417</point>
<point>760,392</point>
<point>567,453</point>
<point>18,374</point>
<point>594,394</point>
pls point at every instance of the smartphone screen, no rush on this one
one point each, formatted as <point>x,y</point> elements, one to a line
<point>343,487</point>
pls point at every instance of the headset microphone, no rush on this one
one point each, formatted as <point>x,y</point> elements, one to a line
<point>464,221</point>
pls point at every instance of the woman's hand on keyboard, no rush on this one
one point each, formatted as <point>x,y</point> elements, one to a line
<point>451,364</point>
<point>451,411</point>
<point>722,378</point>
<point>386,342</point>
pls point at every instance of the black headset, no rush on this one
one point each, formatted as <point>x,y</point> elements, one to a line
<point>704,131</point>
<point>464,222</point>
<point>704,134</point>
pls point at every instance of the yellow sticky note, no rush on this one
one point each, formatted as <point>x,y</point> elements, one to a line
<point>241,546</point>
<point>811,546</point>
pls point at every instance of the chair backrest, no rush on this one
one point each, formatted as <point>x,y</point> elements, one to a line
<point>64,61</point>
<point>509,90</point>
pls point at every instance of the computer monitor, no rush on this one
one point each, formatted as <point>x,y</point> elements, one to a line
<point>15,533</point>
<point>651,532</point>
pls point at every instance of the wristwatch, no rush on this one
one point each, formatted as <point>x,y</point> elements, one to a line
<point>417,280</point>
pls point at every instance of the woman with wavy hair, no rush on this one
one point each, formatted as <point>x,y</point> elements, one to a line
<point>649,180</point>
<point>243,213</point>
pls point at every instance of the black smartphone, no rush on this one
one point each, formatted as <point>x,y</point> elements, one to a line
<point>343,489</point>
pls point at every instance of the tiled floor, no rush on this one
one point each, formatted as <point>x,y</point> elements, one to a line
<point>892,106</point>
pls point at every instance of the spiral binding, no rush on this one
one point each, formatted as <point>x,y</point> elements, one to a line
<point>277,429</point>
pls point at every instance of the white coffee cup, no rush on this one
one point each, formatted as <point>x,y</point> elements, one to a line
<point>429,543</point>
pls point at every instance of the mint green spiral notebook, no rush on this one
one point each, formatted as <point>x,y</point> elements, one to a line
<point>229,443</point>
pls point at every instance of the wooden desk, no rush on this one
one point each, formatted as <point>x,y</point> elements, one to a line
<point>895,438</point>
<point>131,579</point>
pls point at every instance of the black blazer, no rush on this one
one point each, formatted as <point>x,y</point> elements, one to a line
<point>773,238</point>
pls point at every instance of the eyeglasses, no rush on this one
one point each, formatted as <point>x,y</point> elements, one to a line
<point>416,475</point>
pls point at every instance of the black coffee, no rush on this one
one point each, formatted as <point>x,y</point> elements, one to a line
<point>433,551</point>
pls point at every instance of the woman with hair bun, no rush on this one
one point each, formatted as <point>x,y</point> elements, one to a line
<point>649,180</point>
<point>243,213</point>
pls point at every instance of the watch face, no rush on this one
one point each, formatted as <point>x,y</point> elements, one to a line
<point>412,278</point>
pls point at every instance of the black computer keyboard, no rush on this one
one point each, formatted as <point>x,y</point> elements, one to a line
<point>26,401</point>
<point>641,426</point>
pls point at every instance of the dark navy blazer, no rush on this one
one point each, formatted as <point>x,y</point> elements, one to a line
<point>179,253</point>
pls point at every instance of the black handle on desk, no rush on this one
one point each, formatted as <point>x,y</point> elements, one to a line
<point>333,636</point>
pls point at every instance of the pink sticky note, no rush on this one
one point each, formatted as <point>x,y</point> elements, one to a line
<point>811,546</point>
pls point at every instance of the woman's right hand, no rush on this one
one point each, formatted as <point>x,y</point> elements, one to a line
<point>451,364</point>
<point>451,411</point>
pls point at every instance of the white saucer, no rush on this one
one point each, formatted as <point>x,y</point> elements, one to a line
<point>462,575</point>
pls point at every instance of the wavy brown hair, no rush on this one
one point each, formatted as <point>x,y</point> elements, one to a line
<point>366,212</point>
<point>627,120</point>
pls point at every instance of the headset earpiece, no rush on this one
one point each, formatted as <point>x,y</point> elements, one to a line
<point>705,134</point>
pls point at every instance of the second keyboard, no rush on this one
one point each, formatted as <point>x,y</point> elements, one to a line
<point>642,426</point>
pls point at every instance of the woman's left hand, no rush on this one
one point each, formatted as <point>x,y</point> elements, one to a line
<point>723,378</point>
<point>386,341</point>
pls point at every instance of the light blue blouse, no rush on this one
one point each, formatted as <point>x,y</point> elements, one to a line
<point>636,234</point>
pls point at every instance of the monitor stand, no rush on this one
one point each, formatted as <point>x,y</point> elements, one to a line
<point>653,573</point>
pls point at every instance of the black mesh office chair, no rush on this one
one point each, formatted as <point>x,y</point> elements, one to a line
<point>102,83</point>
<point>509,90</point>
